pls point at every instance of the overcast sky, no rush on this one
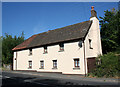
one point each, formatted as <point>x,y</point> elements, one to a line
<point>37,17</point>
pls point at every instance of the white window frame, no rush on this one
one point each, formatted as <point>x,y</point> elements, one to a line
<point>30,64</point>
<point>54,64</point>
<point>42,64</point>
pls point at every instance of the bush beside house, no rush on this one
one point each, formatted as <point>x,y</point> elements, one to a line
<point>107,65</point>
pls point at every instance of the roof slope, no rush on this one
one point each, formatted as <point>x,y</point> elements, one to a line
<point>25,43</point>
<point>70,32</point>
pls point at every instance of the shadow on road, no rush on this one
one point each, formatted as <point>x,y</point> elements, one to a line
<point>35,82</point>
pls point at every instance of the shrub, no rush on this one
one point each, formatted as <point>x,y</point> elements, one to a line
<point>108,65</point>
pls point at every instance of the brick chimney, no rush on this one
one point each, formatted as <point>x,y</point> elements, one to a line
<point>93,12</point>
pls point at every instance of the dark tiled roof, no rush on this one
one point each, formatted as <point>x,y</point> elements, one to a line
<point>25,43</point>
<point>71,32</point>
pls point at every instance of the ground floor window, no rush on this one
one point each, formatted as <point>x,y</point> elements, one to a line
<point>30,64</point>
<point>42,64</point>
<point>54,64</point>
<point>76,63</point>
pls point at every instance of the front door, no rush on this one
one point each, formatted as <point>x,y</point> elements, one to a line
<point>91,62</point>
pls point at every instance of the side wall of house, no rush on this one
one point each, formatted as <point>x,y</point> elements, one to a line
<point>94,36</point>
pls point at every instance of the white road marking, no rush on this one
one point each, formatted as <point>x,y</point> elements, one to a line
<point>6,77</point>
<point>40,83</point>
<point>0,76</point>
<point>27,81</point>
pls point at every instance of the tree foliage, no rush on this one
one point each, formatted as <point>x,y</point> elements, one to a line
<point>0,49</point>
<point>110,30</point>
<point>8,43</point>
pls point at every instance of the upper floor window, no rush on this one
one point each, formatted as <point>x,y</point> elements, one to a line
<point>80,43</point>
<point>45,49</point>
<point>30,64</point>
<point>90,44</point>
<point>61,45</point>
<point>30,51</point>
<point>54,64</point>
<point>42,64</point>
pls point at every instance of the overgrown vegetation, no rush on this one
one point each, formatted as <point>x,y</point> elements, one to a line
<point>108,64</point>
<point>8,43</point>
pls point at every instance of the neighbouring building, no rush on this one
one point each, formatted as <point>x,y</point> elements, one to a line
<point>69,50</point>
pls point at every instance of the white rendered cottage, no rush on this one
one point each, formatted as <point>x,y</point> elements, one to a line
<point>69,50</point>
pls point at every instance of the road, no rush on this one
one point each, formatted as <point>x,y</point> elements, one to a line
<point>34,79</point>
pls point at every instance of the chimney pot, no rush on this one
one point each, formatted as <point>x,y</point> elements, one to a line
<point>92,7</point>
<point>93,12</point>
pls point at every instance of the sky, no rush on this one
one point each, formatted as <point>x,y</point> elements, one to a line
<point>37,17</point>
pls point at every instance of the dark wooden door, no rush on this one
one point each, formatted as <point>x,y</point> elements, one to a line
<point>91,62</point>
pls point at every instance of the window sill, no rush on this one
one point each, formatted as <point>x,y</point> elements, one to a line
<point>54,68</point>
<point>29,68</point>
<point>60,50</point>
<point>45,53</point>
<point>76,68</point>
<point>41,68</point>
<point>30,55</point>
<point>91,48</point>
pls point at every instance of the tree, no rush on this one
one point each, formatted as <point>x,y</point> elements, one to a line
<point>8,43</point>
<point>0,49</point>
<point>110,30</point>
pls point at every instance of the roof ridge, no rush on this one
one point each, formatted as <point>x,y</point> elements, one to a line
<point>62,27</point>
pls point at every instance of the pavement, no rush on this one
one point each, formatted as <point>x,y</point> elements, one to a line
<point>54,79</point>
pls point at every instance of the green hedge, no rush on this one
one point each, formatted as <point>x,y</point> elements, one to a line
<point>108,66</point>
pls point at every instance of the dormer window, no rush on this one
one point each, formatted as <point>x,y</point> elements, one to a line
<point>45,49</point>
<point>61,45</point>
<point>90,46</point>
<point>30,51</point>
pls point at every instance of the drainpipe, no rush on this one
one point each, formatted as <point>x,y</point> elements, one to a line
<point>84,57</point>
<point>16,60</point>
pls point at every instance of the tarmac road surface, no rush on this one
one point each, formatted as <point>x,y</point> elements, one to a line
<point>34,79</point>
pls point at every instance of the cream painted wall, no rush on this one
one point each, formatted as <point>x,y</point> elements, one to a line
<point>94,35</point>
<point>65,62</point>
<point>64,59</point>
